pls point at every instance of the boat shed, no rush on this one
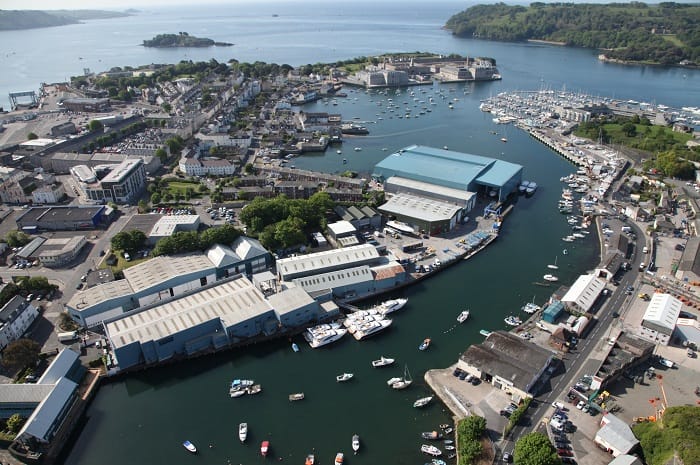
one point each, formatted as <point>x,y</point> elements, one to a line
<point>326,261</point>
<point>213,317</point>
<point>342,283</point>
<point>583,293</point>
<point>446,168</point>
<point>246,255</point>
<point>508,362</point>
<point>659,320</point>
<point>294,307</point>
<point>553,311</point>
<point>432,215</point>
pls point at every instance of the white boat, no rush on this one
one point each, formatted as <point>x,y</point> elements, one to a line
<point>530,308</point>
<point>531,188</point>
<point>425,344</point>
<point>295,347</point>
<point>422,402</point>
<point>554,266</point>
<point>485,332</point>
<point>370,328</point>
<point>190,447</point>
<point>254,389</point>
<point>239,386</point>
<point>243,431</point>
<point>339,457</point>
<point>296,396</point>
<point>344,377</point>
<point>382,362</point>
<point>550,277</point>
<point>512,320</point>
<point>462,317</point>
<point>392,305</point>
<point>358,149</point>
<point>391,381</point>
<point>320,339</point>
<point>355,443</point>
<point>404,382</point>
<point>430,450</point>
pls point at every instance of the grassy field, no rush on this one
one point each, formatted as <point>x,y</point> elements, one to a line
<point>178,187</point>
<point>122,264</point>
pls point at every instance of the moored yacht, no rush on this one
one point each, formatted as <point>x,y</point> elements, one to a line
<point>550,277</point>
<point>422,402</point>
<point>320,339</point>
<point>512,320</point>
<point>243,431</point>
<point>367,329</point>
<point>382,362</point>
<point>392,305</point>
<point>355,443</point>
<point>430,450</point>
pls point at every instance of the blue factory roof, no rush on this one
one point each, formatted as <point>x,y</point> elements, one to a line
<point>446,168</point>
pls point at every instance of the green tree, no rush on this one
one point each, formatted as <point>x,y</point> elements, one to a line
<point>166,107</point>
<point>143,206</point>
<point>249,169</point>
<point>290,232</point>
<point>629,129</point>
<point>162,154</point>
<point>95,126</point>
<point>32,136</point>
<point>17,238</point>
<point>21,353</point>
<point>128,241</point>
<point>14,423</point>
<point>155,198</point>
<point>535,449</point>
<point>225,234</point>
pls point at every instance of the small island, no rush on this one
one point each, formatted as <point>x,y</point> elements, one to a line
<point>182,39</point>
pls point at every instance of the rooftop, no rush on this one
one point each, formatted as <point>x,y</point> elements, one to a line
<point>413,206</point>
<point>159,270</point>
<point>430,188</point>
<point>60,214</point>
<point>232,301</point>
<point>323,261</point>
<point>169,224</point>
<point>445,168</point>
<point>333,279</point>
<point>101,293</point>
<point>122,170</point>
<point>663,311</point>
<point>340,228</point>
<point>290,300</point>
<point>584,291</point>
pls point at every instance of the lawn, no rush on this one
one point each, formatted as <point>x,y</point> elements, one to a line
<point>122,264</point>
<point>178,187</point>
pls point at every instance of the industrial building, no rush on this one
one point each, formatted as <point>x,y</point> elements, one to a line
<point>63,218</point>
<point>659,320</point>
<point>360,217</point>
<point>508,362</point>
<point>165,277</point>
<point>343,234</point>
<point>434,189</point>
<point>224,313</point>
<point>15,318</point>
<point>323,262</point>
<point>583,293</point>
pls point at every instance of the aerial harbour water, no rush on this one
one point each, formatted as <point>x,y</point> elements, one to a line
<point>145,417</point>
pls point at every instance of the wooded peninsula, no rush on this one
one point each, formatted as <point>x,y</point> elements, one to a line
<point>31,19</point>
<point>667,33</point>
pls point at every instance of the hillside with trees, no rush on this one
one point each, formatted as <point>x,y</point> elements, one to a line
<point>32,19</point>
<point>676,436</point>
<point>665,33</point>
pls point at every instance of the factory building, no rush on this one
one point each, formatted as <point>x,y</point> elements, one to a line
<point>245,256</point>
<point>327,261</point>
<point>147,283</point>
<point>434,189</point>
<point>583,293</point>
<point>227,312</point>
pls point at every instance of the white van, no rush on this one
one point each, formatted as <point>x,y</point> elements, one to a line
<point>645,249</point>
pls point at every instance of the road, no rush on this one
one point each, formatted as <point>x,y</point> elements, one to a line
<point>579,362</point>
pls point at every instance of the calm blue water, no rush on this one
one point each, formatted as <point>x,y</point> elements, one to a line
<point>144,418</point>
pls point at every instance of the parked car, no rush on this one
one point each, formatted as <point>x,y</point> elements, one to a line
<point>558,405</point>
<point>580,404</point>
<point>507,457</point>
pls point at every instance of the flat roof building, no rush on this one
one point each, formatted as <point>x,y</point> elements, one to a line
<point>168,225</point>
<point>62,218</point>
<point>56,252</point>
<point>123,184</point>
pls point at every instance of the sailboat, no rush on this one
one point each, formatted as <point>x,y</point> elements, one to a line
<point>404,382</point>
<point>554,267</point>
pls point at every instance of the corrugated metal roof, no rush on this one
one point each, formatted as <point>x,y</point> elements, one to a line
<point>290,300</point>
<point>335,279</point>
<point>663,310</point>
<point>422,208</point>
<point>584,291</point>
<point>430,188</point>
<point>232,301</point>
<point>24,393</point>
<point>322,261</point>
<point>162,269</point>
<point>83,300</point>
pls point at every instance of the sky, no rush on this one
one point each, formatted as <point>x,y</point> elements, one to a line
<point>123,4</point>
